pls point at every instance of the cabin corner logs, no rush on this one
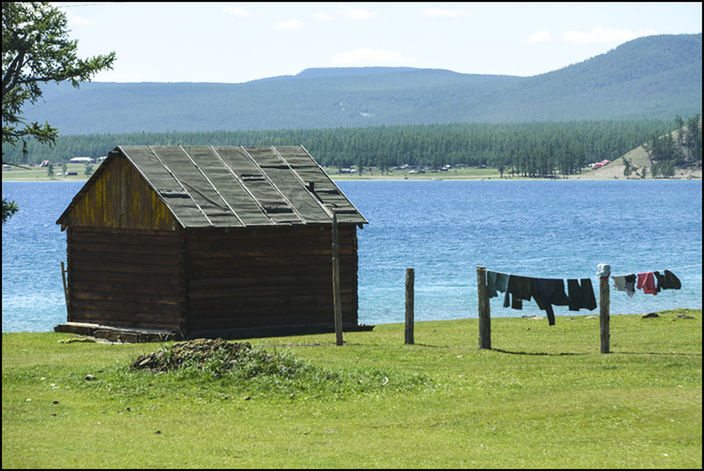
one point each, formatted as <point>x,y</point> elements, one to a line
<point>205,241</point>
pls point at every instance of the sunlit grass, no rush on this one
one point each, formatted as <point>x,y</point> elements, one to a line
<point>544,397</point>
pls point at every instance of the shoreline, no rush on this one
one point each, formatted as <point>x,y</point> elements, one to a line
<point>415,178</point>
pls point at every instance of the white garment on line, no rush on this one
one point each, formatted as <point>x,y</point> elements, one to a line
<point>620,284</point>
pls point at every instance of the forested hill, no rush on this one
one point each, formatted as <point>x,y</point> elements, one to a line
<point>655,77</point>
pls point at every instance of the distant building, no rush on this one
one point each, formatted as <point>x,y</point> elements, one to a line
<point>603,163</point>
<point>82,160</point>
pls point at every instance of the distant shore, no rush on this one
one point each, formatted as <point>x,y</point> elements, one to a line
<point>40,175</point>
<point>391,179</point>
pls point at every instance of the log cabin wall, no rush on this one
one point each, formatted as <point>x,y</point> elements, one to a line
<point>274,276</point>
<point>126,278</point>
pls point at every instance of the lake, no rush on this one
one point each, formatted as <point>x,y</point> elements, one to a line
<point>442,229</point>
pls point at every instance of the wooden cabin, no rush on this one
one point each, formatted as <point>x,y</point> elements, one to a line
<point>208,241</point>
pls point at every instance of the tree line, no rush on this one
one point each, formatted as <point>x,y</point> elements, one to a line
<point>538,149</point>
<point>681,148</point>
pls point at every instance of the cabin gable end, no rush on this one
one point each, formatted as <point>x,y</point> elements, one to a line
<point>118,197</point>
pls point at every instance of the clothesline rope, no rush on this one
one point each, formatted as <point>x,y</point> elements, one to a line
<point>596,277</point>
<point>663,269</point>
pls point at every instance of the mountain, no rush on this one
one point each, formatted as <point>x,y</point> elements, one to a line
<point>651,77</point>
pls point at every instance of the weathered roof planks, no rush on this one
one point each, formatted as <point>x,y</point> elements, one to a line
<point>212,186</point>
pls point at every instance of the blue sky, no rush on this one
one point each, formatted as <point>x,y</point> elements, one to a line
<point>239,42</point>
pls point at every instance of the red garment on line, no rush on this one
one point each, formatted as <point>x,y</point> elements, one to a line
<point>646,282</point>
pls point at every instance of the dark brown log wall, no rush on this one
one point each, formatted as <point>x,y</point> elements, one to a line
<point>126,278</point>
<point>278,276</point>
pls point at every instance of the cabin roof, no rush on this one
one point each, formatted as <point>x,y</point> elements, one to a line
<point>236,186</point>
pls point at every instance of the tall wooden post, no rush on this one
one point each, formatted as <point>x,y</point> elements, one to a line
<point>337,301</point>
<point>604,300</point>
<point>409,306</point>
<point>63,278</point>
<point>484,311</point>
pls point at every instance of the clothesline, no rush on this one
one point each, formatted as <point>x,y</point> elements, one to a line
<point>593,277</point>
<point>662,269</point>
<point>596,277</point>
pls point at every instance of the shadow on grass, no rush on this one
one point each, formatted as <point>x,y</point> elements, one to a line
<point>536,353</point>
<point>610,353</point>
<point>430,346</point>
<point>661,353</point>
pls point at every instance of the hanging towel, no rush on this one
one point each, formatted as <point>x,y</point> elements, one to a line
<point>581,294</point>
<point>547,292</point>
<point>495,281</point>
<point>646,282</point>
<point>518,289</point>
<point>620,284</point>
<point>667,281</point>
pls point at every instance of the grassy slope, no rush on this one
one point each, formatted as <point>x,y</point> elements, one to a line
<point>544,397</point>
<point>639,158</point>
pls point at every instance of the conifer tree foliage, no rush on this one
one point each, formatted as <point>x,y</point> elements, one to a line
<point>681,148</point>
<point>36,49</point>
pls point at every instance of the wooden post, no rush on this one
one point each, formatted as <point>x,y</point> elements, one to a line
<point>409,306</point>
<point>336,282</point>
<point>63,278</point>
<point>604,312</point>
<point>484,311</point>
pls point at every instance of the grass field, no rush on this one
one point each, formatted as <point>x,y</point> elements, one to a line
<point>40,173</point>
<point>543,398</point>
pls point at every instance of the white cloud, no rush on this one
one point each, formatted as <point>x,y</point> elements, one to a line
<point>604,35</point>
<point>320,16</point>
<point>366,56</point>
<point>77,20</point>
<point>355,13</point>
<point>445,13</point>
<point>539,37</point>
<point>288,25</point>
<point>236,11</point>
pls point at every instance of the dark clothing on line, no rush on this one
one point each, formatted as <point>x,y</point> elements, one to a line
<point>667,281</point>
<point>581,294</point>
<point>518,289</point>
<point>631,283</point>
<point>547,292</point>
<point>495,281</point>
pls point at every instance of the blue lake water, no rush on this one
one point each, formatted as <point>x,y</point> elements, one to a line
<point>442,229</point>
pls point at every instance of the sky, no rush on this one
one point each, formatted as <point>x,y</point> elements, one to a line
<point>239,42</point>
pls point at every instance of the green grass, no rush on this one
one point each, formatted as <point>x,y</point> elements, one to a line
<point>40,173</point>
<point>544,397</point>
